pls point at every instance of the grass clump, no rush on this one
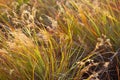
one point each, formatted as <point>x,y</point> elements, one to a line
<point>59,40</point>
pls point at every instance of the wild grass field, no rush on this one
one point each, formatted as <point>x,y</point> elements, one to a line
<point>59,40</point>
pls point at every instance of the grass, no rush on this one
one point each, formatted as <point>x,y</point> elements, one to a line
<point>59,40</point>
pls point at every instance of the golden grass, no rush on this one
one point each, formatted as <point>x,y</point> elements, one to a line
<point>59,40</point>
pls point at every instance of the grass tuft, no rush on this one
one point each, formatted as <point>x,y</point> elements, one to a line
<point>59,39</point>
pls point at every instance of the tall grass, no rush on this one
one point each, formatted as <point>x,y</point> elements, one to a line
<point>59,40</point>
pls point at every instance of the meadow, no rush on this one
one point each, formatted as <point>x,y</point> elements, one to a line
<point>59,40</point>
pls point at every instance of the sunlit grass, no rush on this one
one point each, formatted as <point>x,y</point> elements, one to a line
<point>59,40</point>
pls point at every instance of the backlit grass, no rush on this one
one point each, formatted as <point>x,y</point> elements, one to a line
<point>59,39</point>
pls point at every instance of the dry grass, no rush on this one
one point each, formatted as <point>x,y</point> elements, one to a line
<point>59,40</point>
